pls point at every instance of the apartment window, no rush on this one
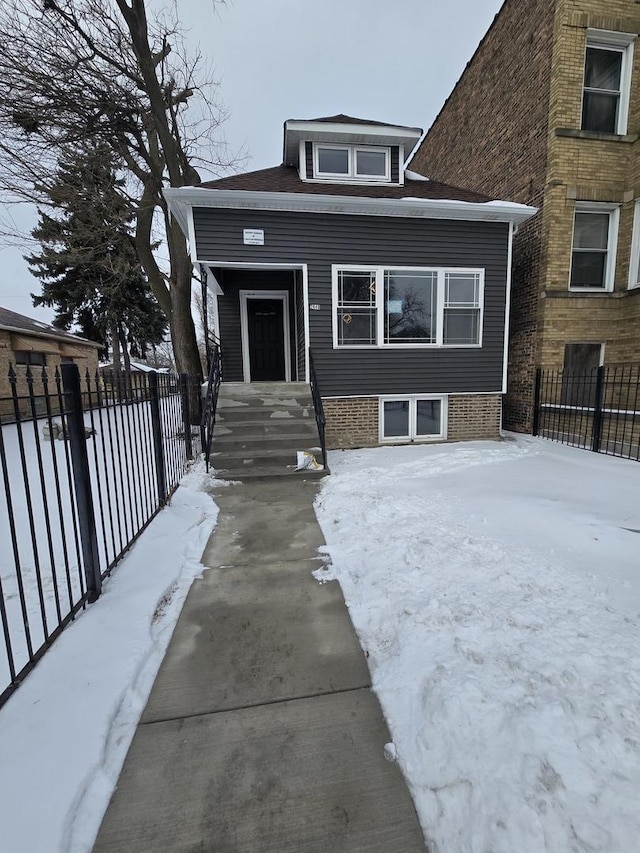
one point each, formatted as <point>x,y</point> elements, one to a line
<point>412,418</point>
<point>634,263</point>
<point>595,232</point>
<point>607,79</point>
<point>405,306</point>
<point>30,358</point>
<point>352,162</point>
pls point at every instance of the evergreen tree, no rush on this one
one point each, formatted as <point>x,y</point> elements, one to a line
<point>88,264</point>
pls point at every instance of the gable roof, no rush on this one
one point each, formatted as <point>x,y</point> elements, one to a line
<point>285,179</point>
<point>10,321</point>
<point>341,118</point>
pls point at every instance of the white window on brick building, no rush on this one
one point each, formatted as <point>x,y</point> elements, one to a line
<point>607,81</point>
<point>634,263</point>
<point>593,257</point>
<point>413,418</point>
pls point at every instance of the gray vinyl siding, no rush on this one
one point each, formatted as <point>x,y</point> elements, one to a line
<point>320,240</point>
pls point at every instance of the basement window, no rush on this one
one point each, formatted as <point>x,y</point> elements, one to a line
<point>412,418</point>
<point>607,81</point>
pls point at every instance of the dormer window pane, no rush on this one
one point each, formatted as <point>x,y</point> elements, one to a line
<point>371,163</point>
<point>333,161</point>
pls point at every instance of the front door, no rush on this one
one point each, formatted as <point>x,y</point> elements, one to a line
<point>265,323</point>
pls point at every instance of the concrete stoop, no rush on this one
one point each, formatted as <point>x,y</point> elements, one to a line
<point>260,427</point>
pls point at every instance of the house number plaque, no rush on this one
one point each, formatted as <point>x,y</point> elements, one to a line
<point>315,306</point>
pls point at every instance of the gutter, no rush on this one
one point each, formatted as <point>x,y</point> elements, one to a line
<point>181,200</point>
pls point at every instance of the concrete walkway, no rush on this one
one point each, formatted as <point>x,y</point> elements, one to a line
<point>261,733</point>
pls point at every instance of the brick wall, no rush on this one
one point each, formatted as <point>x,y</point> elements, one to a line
<point>53,362</point>
<point>353,421</point>
<point>511,128</point>
<point>474,417</point>
<point>491,135</point>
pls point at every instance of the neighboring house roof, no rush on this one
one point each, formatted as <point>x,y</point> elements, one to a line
<point>285,179</point>
<point>10,321</point>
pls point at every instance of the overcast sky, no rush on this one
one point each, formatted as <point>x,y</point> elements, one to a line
<point>391,60</point>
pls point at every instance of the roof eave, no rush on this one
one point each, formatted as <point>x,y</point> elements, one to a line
<point>50,336</point>
<point>180,200</point>
<point>296,129</point>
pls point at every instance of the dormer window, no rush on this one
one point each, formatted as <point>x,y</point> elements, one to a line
<point>352,162</point>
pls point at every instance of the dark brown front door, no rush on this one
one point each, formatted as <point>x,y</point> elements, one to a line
<point>266,339</point>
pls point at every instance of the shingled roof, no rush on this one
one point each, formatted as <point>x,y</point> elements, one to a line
<point>341,118</point>
<point>285,179</point>
<point>13,322</point>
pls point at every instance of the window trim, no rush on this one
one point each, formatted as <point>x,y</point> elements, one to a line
<point>379,305</point>
<point>624,43</point>
<point>612,243</point>
<point>352,175</point>
<point>413,399</point>
<point>634,259</point>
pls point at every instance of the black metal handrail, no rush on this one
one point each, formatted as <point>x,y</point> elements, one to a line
<point>318,408</point>
<point>211,399</point>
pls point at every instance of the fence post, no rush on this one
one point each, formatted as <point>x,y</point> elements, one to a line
<point>186,419</point>
<point>597,414</point>
<point>82,479</point>
<point>156,429</point>
<point>536,402</point>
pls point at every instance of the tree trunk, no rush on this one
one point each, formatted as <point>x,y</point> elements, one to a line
<point>116,375</point>
<point>183,333</point>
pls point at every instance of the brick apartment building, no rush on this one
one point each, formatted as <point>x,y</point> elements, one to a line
<point>547,113</point>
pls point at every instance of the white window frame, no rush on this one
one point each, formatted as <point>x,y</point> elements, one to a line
<point>624,44</point>
<point>634,260</point>
<point>379,305</point>
<point>412,399</point>
<point>612,243</point>
<point>352,175</point>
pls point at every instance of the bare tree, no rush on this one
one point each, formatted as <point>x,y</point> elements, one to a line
<point>104,70</point>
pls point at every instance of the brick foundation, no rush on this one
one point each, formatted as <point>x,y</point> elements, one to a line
<point>353,421</point>
<point>474,417</point>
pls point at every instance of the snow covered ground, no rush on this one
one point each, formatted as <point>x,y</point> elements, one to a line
<point>65,732</point>
<point>496,590</point>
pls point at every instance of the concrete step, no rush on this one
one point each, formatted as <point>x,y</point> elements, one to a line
<point>258,474</point>
<point>254,443</point>
<point>257,427</point>
<point>265,413</point>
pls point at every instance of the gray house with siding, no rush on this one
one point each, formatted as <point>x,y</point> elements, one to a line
<point>397,285</point>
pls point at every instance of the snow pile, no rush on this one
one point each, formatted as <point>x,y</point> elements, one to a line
<point>495,588</point>
<point>65,732</point>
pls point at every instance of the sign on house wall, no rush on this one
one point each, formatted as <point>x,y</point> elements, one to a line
<point>253,236</point>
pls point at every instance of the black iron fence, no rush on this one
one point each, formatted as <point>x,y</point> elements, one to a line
<point>318,408</point>
<point>86,462</point>
<point>596,410</point>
